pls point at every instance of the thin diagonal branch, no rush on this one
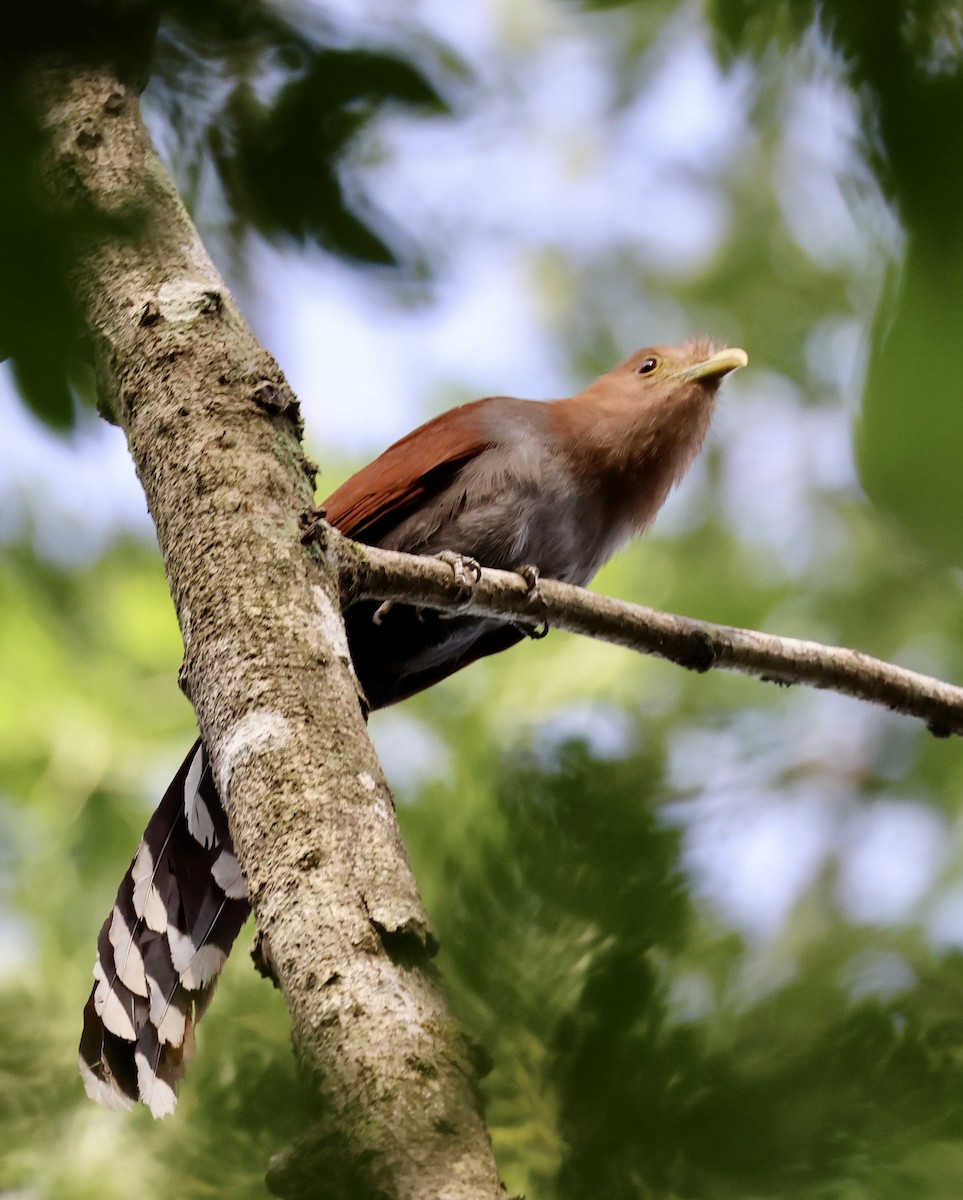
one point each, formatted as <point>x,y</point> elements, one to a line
<point>370,573</point>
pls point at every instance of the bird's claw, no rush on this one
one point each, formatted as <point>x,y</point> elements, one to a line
<point>536,601</point>
<point>381,612</point>
<point>386,606</point>
<point>532,576</point>
<point>467,572</point>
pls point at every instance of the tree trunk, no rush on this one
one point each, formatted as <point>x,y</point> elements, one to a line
<point>214,432</point>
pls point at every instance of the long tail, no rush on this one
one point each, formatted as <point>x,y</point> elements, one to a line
<point>179,908</point>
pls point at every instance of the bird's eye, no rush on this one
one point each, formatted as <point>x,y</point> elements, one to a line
<point>647,365</point>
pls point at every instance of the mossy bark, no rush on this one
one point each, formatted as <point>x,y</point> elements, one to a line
<point>214,433</point>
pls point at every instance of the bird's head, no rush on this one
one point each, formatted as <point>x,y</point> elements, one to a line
<point>660,373</point>
<point>640,425</point>
<point>667,391</point>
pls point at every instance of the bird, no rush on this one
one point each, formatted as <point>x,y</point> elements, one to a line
<point>551,488</point>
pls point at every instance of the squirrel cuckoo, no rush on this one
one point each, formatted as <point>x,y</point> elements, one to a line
<point>555,488</point>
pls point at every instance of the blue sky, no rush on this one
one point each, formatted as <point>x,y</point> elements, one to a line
<point>536,164</point>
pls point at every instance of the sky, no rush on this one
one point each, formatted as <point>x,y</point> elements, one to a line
<point>541,164</point>
<point>368,364</point>
<point>538,162</point>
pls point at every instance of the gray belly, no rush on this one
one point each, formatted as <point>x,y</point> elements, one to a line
<point>497,515</point>
<point>506,509</point>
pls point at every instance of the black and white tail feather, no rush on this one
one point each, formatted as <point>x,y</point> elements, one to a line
<point>178,911</point>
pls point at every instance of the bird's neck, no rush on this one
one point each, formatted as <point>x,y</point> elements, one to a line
<point>632,454</point>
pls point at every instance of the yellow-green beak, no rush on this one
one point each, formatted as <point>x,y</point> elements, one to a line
<point>715,366</point>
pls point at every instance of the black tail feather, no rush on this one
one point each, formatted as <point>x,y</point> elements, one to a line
<point>178,911</point>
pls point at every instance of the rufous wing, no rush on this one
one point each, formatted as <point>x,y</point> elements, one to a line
<point>409,472</point>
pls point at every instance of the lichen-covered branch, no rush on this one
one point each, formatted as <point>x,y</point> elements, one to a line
<point>214,433</point>
<point>371,573</point>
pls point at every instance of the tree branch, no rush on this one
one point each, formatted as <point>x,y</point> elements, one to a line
<point>369,573</point>
<point>213,429</point>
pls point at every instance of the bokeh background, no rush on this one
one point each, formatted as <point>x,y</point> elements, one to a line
<point>707,931</point>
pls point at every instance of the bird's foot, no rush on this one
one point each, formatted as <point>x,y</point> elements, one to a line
<point>532,576</point>
<point>467,572</point>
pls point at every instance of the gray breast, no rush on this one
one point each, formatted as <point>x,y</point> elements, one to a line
<point>516,503</point>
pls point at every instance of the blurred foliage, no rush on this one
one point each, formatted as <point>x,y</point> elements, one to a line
<point>261,101</point>
<point>641,1047</point>
<point>905,58</point>
<point>278,162</point>
<point>268,107</point>
<point>648,887</point>
<point>902,58</point>
<point>90,714</point>
<point>38,323</point>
